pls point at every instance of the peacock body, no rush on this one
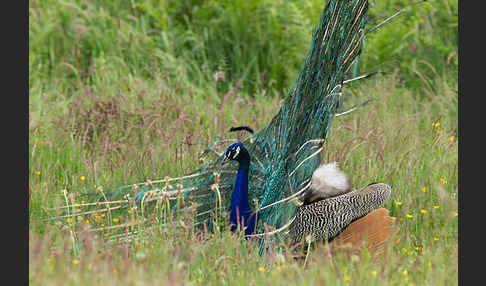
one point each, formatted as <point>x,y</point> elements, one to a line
<point>329,204</point>
<point>284,154</point>
<point>326,218</point>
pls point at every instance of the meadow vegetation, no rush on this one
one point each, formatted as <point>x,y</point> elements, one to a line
<point>125,91</point>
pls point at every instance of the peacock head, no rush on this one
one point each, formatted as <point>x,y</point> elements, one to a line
<point>236,152</point>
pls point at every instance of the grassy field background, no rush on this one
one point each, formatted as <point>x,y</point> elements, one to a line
<point>116,87</point>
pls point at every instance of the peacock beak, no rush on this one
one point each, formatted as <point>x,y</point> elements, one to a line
<point>225,160</point>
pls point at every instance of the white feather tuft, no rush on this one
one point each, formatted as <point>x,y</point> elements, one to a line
<point>328,181</point>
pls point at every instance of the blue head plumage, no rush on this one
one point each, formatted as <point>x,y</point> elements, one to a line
<point>236,152</point>
<point>241,213</point>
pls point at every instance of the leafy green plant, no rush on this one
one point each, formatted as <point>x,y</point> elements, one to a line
<point>257,43</point>
<point>421,43</point>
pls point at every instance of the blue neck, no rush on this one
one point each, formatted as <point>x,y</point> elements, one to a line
<point>239,201</point>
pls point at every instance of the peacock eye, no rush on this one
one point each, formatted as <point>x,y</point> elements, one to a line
<point>237,151</point>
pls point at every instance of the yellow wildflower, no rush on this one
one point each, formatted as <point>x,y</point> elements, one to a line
<point>399,203</point>
<point>423,211</point>
<point>405,272</point>
<point>75,261</point>
<point>70,220</point>
<point>409,216</point>
<point>451,138</point>
<point>347,278</point>
<point>82,202</point>
<point>83,178</point>
<point>80,217</point>
<point>115,220</point>
<point>87,221</point>
<point>436,238</point>
<point>424,189</point>
<point>436,124</point>
<point>436,207</point>
<point>373,273</point>
<point>38,172</point>
<point>355,91</point>
<point>107,180</point>
<point>443,181</point>
<point>261,269</point>
<point>455,214</point>
<point>429,263</point>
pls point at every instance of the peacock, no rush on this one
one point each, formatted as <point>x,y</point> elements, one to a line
<point>328,206</point>
<point>266,182</point>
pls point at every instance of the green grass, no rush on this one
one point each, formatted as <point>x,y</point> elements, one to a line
<point>391,140</point>
<point>113,106</point>
<point>263,43</point>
